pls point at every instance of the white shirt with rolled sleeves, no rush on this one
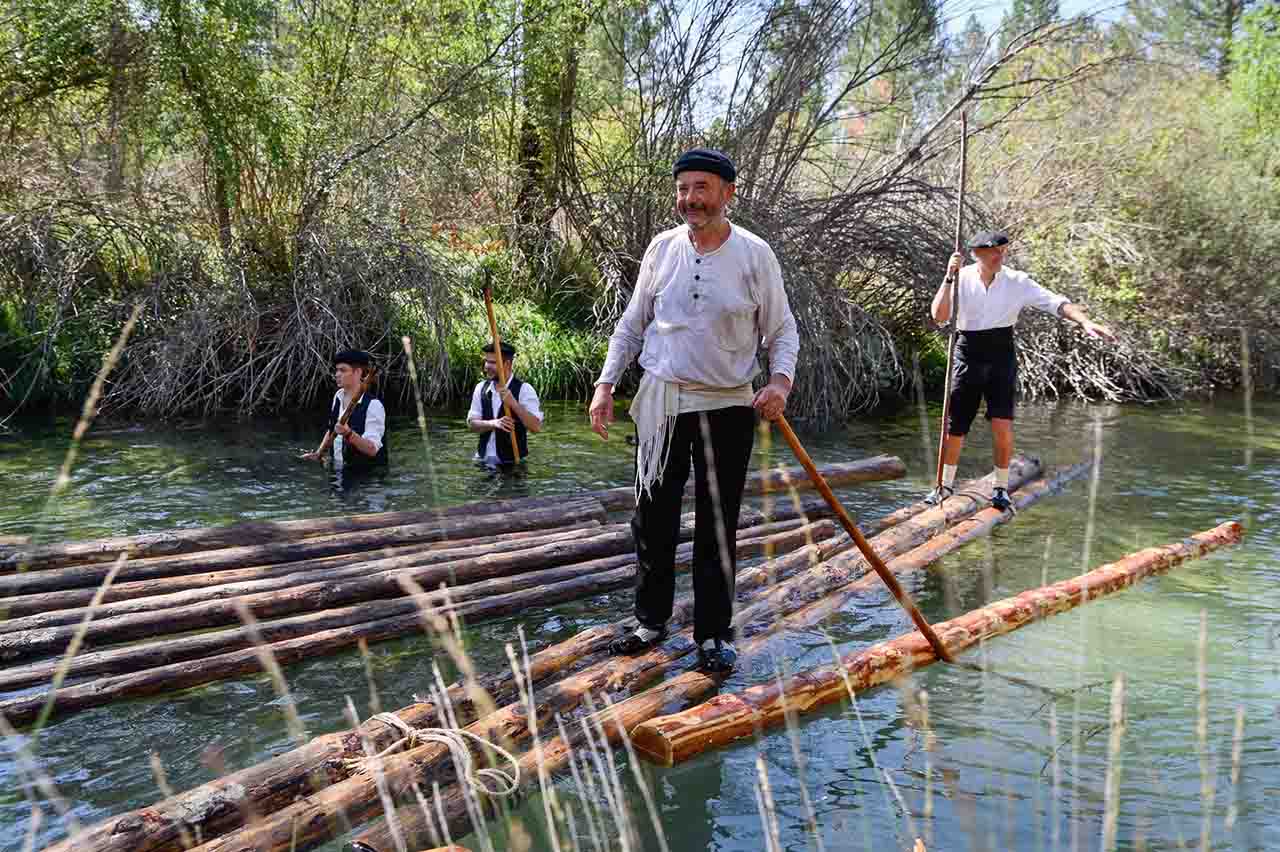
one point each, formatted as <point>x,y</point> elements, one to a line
<point>375,426</point>
<point>700,319</point>
<point>998,306</point>
<point>528,398</point>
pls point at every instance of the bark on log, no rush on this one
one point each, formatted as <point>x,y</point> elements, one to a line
<point>310,822</point>
<point>225,804</point>
<point>177,542</point>
<point>728,717</point>
<point>265,554</point>
<point>778,537</point>
<point>40,602</point>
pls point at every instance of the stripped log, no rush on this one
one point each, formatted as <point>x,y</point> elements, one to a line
<point>313,820</point>
<point>40,602</point>
<point>265,554</point>
<point>177,542</point>
<point>223,805</point>
<point>772,538</point>
<point>336,629</point>
<point>119,622</point>
<point>725,718</point>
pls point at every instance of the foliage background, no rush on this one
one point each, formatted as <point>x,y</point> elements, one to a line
<point>275,181</point>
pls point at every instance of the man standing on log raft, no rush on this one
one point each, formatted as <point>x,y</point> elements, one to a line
<point>498,411</point>
<point>359,445</point>
<point>708,294</point>
<point>991,296</point>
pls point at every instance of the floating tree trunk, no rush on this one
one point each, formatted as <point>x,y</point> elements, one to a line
<point>224,804</point>
<point>314,820</point>
<point>776,538</point>
<point>725,718</point>
<point>26,557</point>
<point>265,554</point>
<point>117,623</point>
<point>332,630</point>
<point>43,602</point>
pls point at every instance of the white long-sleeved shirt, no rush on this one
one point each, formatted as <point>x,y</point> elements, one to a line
<point>375,426</point>
<point>997,306</point>
<point>700,319</point>
<point>528,398</point>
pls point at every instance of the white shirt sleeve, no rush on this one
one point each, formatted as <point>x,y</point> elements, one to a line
<point>628,337</point>
<point>475,412</point>
<point>1041,298</point>
<point>375,424</point>
<point>777,323</point>
<point>529,399</point>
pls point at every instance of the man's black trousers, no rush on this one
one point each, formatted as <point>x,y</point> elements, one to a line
<point>718,446</point>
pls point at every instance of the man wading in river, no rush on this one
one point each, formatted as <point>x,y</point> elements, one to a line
<point>991,296</point>
<point>498,411</point>
<point>708,294</point>
<point>359,444</point>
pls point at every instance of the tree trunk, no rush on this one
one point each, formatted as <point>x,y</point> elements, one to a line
<point>675,738</point>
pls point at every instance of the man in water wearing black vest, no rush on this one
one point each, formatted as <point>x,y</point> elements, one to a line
<point>986,364</point>
<point>497,411</point>
<point>359,445</point>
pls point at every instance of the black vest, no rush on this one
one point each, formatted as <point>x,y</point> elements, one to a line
<point>504,443</point>
<point>353,459</point>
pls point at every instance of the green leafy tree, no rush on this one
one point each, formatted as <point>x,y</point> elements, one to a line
<point>1255,82</point>
<point>1205,29</point>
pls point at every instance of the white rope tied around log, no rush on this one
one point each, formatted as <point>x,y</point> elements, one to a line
<point>490,781</point>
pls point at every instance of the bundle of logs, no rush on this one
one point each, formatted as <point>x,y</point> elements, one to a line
<point>556,704</point>
<point>161,612</point>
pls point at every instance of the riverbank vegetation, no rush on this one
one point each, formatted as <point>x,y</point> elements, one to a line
<point>274,182</point>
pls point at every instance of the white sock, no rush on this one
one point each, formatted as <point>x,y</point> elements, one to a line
<point>949,474</point>
<point>708,644</point>
<point>646,634</point>
<point>1002,478</point>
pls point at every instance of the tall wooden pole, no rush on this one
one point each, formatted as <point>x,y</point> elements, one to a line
<point>955,295</point>
<point>903,598</point>
<point>497,354</point>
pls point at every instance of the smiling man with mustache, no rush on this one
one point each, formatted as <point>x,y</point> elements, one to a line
<point>708,296</point>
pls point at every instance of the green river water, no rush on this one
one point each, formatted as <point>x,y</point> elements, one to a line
<point>1166,471</point>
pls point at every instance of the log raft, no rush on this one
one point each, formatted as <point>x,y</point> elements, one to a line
<point>671,739</point>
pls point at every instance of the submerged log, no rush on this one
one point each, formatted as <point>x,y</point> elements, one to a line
<point>265,554</point>
<point>42,602</point>
<point>312,821</point>
<point>725,718</point>
<point>225,804</point>
<point>175,542</point>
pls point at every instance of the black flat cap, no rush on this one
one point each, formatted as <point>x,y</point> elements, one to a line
<point>989,239</point>
<point>706,160</point>
<point>508,351</point>
<point>354,357</point>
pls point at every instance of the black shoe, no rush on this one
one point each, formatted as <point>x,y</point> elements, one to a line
<point>937,495</point>
<point>634,642</point>
<point>1000,499</point>
<point>716,656</point>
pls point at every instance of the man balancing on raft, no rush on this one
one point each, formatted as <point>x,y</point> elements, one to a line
<point>359,445</point>
<point>707,295</point>
<point>496,412</point>
<point>991,296</point>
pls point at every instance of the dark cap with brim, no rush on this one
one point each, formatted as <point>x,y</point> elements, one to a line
<point>706,160</point>
<point>353,357</point>
<point>508,351</point>
<point>989,239</point>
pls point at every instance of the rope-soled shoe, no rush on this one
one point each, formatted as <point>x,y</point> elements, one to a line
<point>937,495</point>
<point>1000,499</point>
<point>641,639</point>
<point>716,656</point>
